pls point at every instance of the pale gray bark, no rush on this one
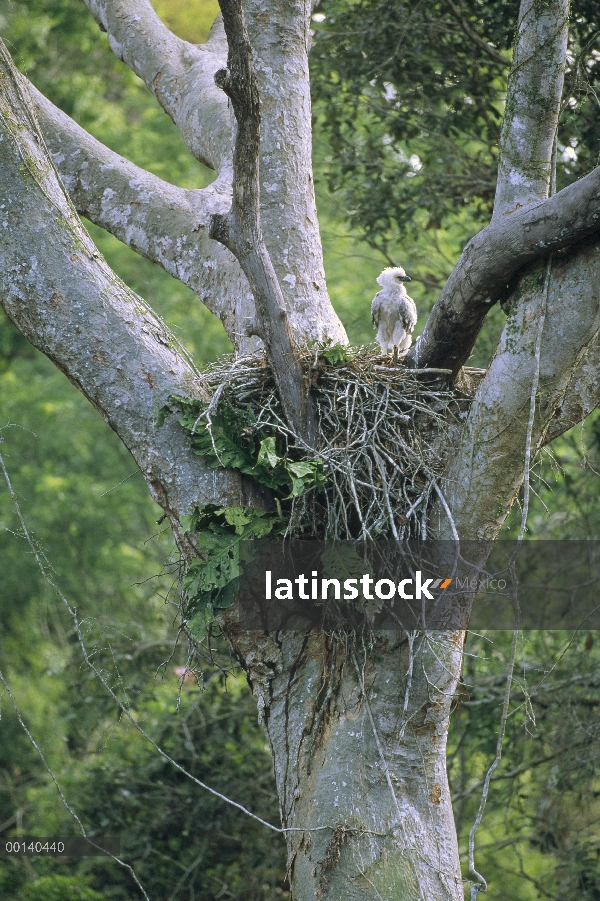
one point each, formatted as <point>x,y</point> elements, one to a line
<point>279,35</point>
<point>240,229</point>
<point>181,76</point>
<point>63,297</point>
<point>166,224</point>
<point>492,258</point>
<point>532,105</point>
<point>362,782</point>
<point>487,471</point>
<point>581,395</point>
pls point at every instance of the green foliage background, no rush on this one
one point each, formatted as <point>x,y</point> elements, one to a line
<point>90,513</point>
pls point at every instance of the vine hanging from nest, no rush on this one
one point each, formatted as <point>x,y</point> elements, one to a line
<point>383,435</point>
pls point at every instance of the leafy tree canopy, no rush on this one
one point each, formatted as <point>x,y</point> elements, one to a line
<point>409,98</point>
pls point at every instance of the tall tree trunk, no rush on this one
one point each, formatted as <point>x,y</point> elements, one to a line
<point>358,728</point>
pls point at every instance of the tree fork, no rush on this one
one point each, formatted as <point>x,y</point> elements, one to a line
<point>240,229</point>
<point>77,312</point>
<point>525,223</point>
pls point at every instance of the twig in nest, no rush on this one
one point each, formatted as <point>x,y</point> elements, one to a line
<point>381,431</point>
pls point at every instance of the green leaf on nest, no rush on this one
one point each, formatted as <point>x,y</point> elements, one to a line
<point>212,581</point>
<point>334,354</point>
<point>235,440</point>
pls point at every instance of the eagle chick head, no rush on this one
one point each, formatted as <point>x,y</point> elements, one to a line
<point>393,276</point>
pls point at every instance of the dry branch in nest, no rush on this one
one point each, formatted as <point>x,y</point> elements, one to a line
<point>383,436</point>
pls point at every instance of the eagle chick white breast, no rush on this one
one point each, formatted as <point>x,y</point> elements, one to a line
<point>393,312</point>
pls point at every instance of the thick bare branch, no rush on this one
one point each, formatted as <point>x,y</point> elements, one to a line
<point>179,74</point>
<point>63,297</point>
<point>241,231</point>
<point>166,224</point>
<point>492,258</point>
<point>532,105</point>
<point>487,469</point>
<point>279,36</point>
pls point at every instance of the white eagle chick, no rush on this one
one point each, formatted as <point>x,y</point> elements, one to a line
<point>393,312</point>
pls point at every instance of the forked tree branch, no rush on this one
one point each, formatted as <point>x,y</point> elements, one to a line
<point>492,258</point>
<point>240,229</point>
<point>532,229</point>
<point>487,468</point>
<point>179,74</point>
<point>64,298</point>
<point>164,223</point>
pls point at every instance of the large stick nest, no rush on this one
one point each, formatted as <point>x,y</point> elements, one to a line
<point>384,434</point>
